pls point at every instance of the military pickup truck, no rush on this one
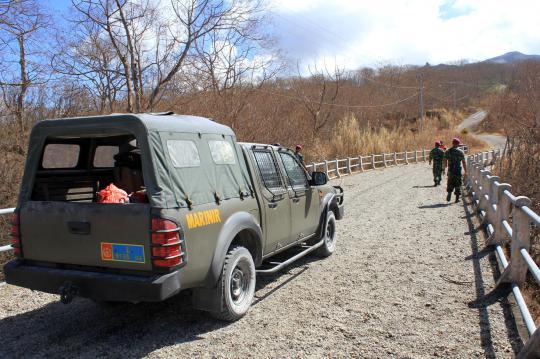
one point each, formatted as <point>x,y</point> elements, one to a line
<point>204,212</point>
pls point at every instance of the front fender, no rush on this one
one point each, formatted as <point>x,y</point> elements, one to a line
<point>238,222</point>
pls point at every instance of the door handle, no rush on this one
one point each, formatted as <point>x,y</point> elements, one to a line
<point>296,200</point>
<point>79,227</point>
<point>272,204</point>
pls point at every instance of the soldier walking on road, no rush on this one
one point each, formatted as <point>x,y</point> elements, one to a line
<point>454,158</point>
<point>437,155</point>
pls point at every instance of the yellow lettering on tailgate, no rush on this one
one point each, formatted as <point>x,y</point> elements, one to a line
<point>203,218</point>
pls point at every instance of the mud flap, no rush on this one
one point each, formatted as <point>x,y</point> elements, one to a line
<point>208,299</point>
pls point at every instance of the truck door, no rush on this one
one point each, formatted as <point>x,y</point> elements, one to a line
<point>274,201</point>
<point>304,199</point>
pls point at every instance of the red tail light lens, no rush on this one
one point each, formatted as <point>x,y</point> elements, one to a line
<point>16,234</point>
<point>168,249</point>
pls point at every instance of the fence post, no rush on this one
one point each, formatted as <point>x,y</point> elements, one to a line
<point>503,212</point>
<point>384,159</point>
<point>373,161</point>
<point>360,164</point>
<point>483,202</point>
<point>395,158</point>
<point>424,155</point>
<point>406,157</point>
<point>516,271</point>
<point>326,168</point>
<point>314,166</point>
<point>415,156</point>
<point>349,165</point>
<point>337,169</point>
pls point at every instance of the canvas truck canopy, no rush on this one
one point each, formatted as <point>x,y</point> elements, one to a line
<point>186,160</point>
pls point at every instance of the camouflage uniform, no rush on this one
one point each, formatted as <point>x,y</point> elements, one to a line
<point>454,156</point>
<point>436,155</point>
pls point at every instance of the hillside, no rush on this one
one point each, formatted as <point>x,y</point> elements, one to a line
<point>512,57</point>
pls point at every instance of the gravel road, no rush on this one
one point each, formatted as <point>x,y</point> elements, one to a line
<point>403,283</point>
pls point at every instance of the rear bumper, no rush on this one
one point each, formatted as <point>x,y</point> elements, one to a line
<point>94,285</point>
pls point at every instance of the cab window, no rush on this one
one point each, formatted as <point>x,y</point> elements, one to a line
<point>295,173</point>
<point>269,172</point>
<point>60,155</point>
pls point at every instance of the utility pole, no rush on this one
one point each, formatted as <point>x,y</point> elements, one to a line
<point>420,78</point>
<point>454,99</point>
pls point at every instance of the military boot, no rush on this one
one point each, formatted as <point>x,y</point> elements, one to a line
<point>448,196</point>
<point>457,197</point>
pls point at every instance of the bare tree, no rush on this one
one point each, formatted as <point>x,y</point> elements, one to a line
<point>89,58</point>
<point>321,104</point>
<point>125,24</point>
<point>21,24</point>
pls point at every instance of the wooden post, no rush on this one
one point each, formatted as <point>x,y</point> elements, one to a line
<point>395,158</point>
<point>337,169</point>
<point>424,154</point>
<point>373,161</point>
<point>314,166</point>
<point>415,156</point>
<point>360,164</point>
<point>384,159</point>
<point>406,158</point>
<point>349,165</point>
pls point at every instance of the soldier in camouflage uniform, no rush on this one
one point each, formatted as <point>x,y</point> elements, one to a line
<point>454,158</point>
<point>437,155</point>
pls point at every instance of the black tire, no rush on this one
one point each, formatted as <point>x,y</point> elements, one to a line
<point>237,284</point>
<point>329,245</point>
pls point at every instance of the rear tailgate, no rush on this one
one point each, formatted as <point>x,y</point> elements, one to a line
<point>88,234</point>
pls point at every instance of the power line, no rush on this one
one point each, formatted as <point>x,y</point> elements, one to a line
<point>338,104</point>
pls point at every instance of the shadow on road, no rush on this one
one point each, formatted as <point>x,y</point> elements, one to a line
<point>430,186</point>
<point>437,205</point>
<point>87,329</point>
<point>483,299</point>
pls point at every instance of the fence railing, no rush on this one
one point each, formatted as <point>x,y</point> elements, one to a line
<point>343,167</point>
<point>6,211</point>
<point>509,220</point>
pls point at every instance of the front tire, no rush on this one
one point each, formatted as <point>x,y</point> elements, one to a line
<point>329,245</point>
<point>237,284</point>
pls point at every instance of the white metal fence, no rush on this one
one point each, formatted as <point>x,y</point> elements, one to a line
<point>510,222</point>
<point>343,167</point>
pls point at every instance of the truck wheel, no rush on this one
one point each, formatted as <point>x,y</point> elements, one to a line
<point>237,284</point>
<point>329,244</point>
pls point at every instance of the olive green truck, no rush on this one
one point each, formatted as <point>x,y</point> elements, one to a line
<point>203,211</point>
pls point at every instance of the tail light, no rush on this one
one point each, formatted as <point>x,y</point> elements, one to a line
<point>16,234</point>
<point>168,245</point>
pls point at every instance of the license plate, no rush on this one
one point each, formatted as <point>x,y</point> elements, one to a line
<point>122,252</point>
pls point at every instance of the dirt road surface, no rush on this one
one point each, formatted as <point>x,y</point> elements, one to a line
<point>403,283</point>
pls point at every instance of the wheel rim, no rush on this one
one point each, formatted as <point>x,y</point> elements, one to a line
<point>330,234</point>
<point>239,284</point>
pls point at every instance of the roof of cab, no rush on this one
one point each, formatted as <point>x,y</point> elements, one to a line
<point>163,122</point>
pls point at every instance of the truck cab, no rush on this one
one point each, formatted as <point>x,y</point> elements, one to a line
<point>200,211</point>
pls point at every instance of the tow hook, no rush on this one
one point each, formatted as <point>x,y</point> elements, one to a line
<point>67,292</point>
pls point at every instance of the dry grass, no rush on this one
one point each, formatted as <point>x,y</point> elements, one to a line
<point>351,139</point>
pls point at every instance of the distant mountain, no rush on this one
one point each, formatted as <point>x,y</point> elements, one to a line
<point>512,57</point>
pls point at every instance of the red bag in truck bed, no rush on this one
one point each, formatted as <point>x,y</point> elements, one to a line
<point>112,194</point>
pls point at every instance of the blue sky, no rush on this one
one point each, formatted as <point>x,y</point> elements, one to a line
<point>354,33</point>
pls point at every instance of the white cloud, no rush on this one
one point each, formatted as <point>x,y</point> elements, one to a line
<point>361,33</point>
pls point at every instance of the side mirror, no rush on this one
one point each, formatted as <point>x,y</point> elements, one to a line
<point>318,179</point>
